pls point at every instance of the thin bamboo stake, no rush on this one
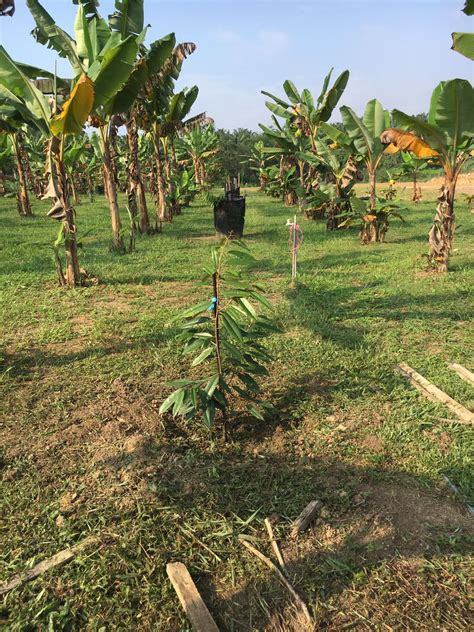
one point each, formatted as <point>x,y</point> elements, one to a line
<point>59,558</point>
<point>435,394</point>
<point>281,577</point>
<point>463,373</point>
<point>274,543</point>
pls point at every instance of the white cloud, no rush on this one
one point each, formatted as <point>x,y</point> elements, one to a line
<point>272,42</point>
<point>228,36</point>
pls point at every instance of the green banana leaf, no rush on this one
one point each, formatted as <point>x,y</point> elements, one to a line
<point>90,8</point>
<point>331,99</point>
<point>324,89</point>
<point>291,92</point>
<point>276,99</point>
<point>464,43</point>
<point>143,70</point>
<point>47,32</point>
<point>13,80</point>
<point>85,48</point>
<point>38,73</point>
<point>278,110</point>
<point>357,131</point>
<point>455,111</point>
<point>110,73</point>
<point>469,7</point>
<point>335,134</point>
<point>376,119</point>
<point>127,18</point>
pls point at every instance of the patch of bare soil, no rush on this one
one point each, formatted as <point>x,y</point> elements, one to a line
<point>374,557</point>
<point>107,447</point>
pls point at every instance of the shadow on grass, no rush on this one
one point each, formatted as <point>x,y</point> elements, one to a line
<point>327,311</point>
<point>376,524</point>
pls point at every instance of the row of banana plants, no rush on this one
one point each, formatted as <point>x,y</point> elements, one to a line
<point>117,81</point>
<point>316,164</point>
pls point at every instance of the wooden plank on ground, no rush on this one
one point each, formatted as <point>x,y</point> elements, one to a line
<point>193,605</point>
<point>59,558</point>
<point>435,394</point>
<point>464,373</point>
<point>305,518</point>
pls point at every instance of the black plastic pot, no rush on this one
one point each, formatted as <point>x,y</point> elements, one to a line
<point>229,216</point>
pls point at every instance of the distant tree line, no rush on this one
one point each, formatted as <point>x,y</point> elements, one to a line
<point>235,152</point>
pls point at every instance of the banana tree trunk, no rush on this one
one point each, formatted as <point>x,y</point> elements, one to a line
<point>110,190</point>
<point>416,197</point>
<point>24,207</point>
<point>73,274</point>
<point>91,188</point>
<point>160,202</point>
<point>290,197</point>
<point>442,232</point>
<point>372,189</point>
<point>30,179</point>
<point>169,185</point>
<point>135,176</point>
<point>371,234</point>
<point>74,189</point>
<point>196,171</point>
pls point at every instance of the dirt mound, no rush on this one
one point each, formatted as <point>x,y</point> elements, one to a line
<point>465,179</point>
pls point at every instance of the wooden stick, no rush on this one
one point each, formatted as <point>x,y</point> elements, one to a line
<point>189,597</point>
<point>274,543</point>
<point>282,578</point>
<point>305,518</point>
<point>464,373</point>
<point>59,558</point>
<point>459,493</point>
<point>435,394</point>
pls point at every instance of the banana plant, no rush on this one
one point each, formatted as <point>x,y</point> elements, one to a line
<point>160,113</point>
<point>12,128</point>
<point>196,148</point>
<point>337,162</point>
<point>18,91</point>
<point>463,43</point>
<point>258,161</point>
<point>303,117</point>
<point>302,113</point>
<point>108,53</point>
<point>291,176</point>
<point>374,221</point>
<point>365,135</point>
<point>412,167</point>
<point>183,189</point>
<point>448,139</point>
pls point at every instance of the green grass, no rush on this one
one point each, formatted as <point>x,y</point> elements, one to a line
<point>82,376</point>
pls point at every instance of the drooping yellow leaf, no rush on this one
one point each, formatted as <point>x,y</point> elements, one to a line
<point>75,110</point>
<point>407,141</point>
<point>391,149</point>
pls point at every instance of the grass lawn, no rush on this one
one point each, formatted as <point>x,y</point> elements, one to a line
<point>84,451</point>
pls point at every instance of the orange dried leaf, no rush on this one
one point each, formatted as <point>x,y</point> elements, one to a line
<point>75,110</point>
<point>407,141</point>
<point>391,149</point>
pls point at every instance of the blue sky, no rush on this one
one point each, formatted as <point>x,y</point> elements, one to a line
<point>396,50</point>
